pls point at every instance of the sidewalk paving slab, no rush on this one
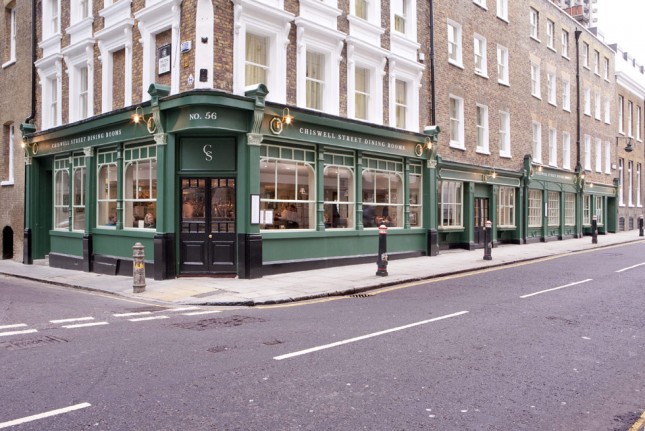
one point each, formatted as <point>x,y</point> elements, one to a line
<point>307,285</point>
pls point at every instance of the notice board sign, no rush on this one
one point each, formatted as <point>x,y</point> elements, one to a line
<point>163,65</point>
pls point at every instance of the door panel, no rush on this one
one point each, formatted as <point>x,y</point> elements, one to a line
<point>481,215</point>
<point>207,226</point>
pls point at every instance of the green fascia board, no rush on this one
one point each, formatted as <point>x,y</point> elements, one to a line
<point>212,118</point>
<point>600,190</point>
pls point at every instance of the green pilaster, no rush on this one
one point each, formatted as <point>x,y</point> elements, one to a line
<point>119,187</point>
<point>406,194</point>
<point>90,190</point>
<point>469,214</point>
<point>170,210</point>
<point>520,232</point>
<point>545,220</point>
<point>359,190</point>
<point>252,179</point>
<point>163,187</point>
<point>320,190</point>
<point>492,209</point>
<point>430,197</point>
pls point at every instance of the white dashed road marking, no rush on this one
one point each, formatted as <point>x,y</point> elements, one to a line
<point>631,267</point>
<point>141,319</point>
<point>26,331</point>
<point>141,313</point>
<point>555,288</point>
<point>197,313</point>
<point>78,319</point>
<point>16,325</point>
<point>43,415</point>
<point>85,325</point>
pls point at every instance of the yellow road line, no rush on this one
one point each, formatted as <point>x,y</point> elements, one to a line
<point>640,423</point>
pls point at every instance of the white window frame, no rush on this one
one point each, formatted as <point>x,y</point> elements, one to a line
<point>551,88</point>
<point>596,64</point>
<point>606,69</point>
<point>456,122</point>
<point>455,44</point>
<point>77,59</point>
<point>480,56</point>
<point>502,9</point>
<point>566,95</point>
<point>597,107</point>
<point>550,34</point>
<point>569,209</point>
<point>587,102</point>
<point>80,10</point>
<point>373,60</point>
<point>630,117</point>
<point>630,183</point>
<point>50,74</point>
<point>502,65</point>
<point>9,181</point>
<point>638,184</point>
<point>401,104</point>
<point>481,3</point>
<point>12,37</point>
<point>585,55</point>
<point>504,134</point>
<point>506,207</point>
<point>607,158</point>
<point>565,44</point>
<point>621,182</point>
<point>621,107</point>
<point>534,22</point>
<point>587,153</point>
<point>599,210</point>
<point>274,24</point>
<point>455,190</point>
<point>410,73</point>
<point>537,142</point>
<point>535,208</point>
<point>566,150</point>
<point>51,14</point>
<point>535,81</point>
<point>553,208</point>
<point>598,155</point>
<point>607,110</point>
<point>586,210</point>
<point>481,127</point>
<point>638,123</point>
<point>553,147</point>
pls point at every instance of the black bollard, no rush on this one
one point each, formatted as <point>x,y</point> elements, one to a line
<point>594,230</point>
<point>640,226</point>
<point>381,262</point>
<point>488,241</point>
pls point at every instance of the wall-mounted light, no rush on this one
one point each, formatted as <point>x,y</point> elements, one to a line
<point>491,175</point>
<point>535,169</point>
<point>139,117</point>
<point>579,180</point>
<point>628,148</point>
<point>277,123</point>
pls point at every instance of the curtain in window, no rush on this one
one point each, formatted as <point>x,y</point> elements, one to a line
<point>315,80</point>
<point>256,60</point>
<point>362,92</point>
<point>401,103</point>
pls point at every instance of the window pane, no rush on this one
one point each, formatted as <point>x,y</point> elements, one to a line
<point>256,59</point>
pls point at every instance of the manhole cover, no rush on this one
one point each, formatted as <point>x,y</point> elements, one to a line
<point>221,322</point>
<point>28,343</point>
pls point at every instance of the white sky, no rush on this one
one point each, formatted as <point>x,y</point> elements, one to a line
<point>621,21</point>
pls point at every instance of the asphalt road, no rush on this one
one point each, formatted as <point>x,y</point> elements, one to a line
<point>553,345</point>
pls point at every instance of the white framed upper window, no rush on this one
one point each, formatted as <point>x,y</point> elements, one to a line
<point>585,54</point>
<point>83,93</point>
<point>455,44</point>
<point>596,62</point>
<point>51,18</point>
<point>607,158</point>
<point>638,123</point>
<point>566,95</point>
<point>535,80</point>
<point>9,139</point>
<point>587,151</point>
<point>400,9</point>
<point>630,117</point>
<point>566,150</point>
<point>598,154</point>
<point>502,9</point>
<point>621,107</point>
<point>80,9</point>
<point>259,56</point>
<point>551,88</point>
<point>607,110</point>
<point>401,103</point>
<point>481,64</point>
<point>597,107</point>
<point>621,182</point>
<point>606,69</point>
<point>630,183</point>
<point>457,122</point>
<point>11,12</point>
<point>502,65</point>
<point>481,3</point>
<point>504,134</point>
<point>587,101</point>
<point>315,80</point>
<point>361,8</point>
<point>481,112</point>
<point>550,34</point>
<point>537,142</point>
<point>361,93</point>
<point>365,83</point>
<point>50,75</point>
<point>534,20</point>
<point>553,147</point>
<point>565,43</point>
<point>81,84</point>
<point>638,185</point>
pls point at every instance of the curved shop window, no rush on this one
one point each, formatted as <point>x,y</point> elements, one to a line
<point>339,191</point>
<point>287,187</point>
<point>106,188</point>
<point>140,187</point>
<point>61,194</point>
<point>382,193</point>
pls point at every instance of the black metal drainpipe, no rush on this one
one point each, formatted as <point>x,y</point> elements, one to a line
<point>433,116</point>
<point>578,165</point>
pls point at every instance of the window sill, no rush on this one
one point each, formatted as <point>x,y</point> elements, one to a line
<point>454,63</point>
<point>503,19</point>
<point>450,228</point>
<point>6,183</point>
<point>505,155</point>
<point>537,96</point>
<point>481,74</point>
<point>504,83</point>
<point>480,5</point>
<point>535,39</point>
<point>457,146</point>
<point>9,63</point>
<point>484,152</point>
<point>567,110</point>
<point>566,57</point>
<point>554,104</point>
<point>551,48</point>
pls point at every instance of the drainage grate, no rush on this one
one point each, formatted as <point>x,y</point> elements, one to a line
<point>28,343</point>
<point>361,295</point>
<point>222,322</point>
<point>151,308</point>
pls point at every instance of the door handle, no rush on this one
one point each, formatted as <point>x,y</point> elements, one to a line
<point>210,236</point>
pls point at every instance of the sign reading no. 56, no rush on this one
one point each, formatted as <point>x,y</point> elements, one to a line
<point>202,116</point>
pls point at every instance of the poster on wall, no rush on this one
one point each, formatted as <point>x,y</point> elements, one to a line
<point>164,60</point>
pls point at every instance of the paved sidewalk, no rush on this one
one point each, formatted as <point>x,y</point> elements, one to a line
<point>298,286</point>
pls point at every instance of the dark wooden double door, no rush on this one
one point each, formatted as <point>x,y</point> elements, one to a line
<point>481,215</point>
<point>207,239</point>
